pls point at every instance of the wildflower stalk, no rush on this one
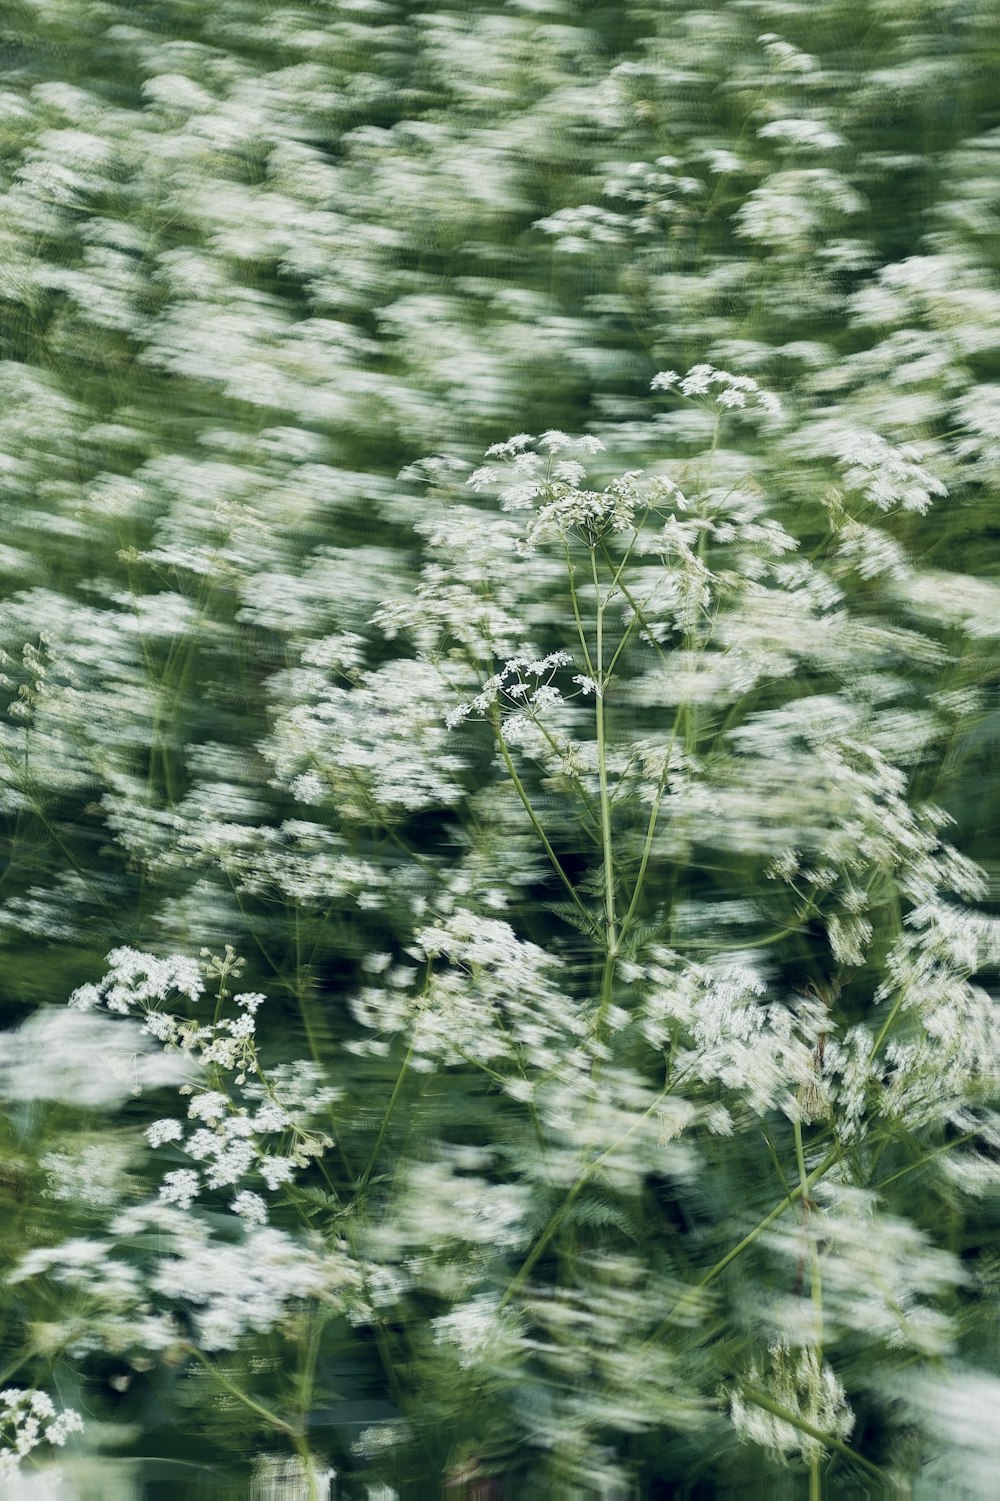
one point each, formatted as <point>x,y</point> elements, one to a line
<point>647,847</point>
<point>886,1027</point>
<point>575,602</point>
<point>271,1418</point>
<point>557,1218</point>
<point>533,816</point>
<point>792,1197</point>
<point>816,1288</point>
<point>767,1403</point>
<point>914,1167</point>
<point>636,609</point>
<point>387,1117</point>
<point>607,853</point>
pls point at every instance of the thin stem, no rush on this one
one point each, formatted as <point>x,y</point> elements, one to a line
<point>571,572</point>
<point>638,612</point>
<point>748,1240</point>
<point>775,1159</point>
<point>647,846</point>
<point>876,1045</point>
<point>816,1287</point>
<point>271,1418</point>
<point>560,1214</point>
<point>533,816</point>
<point>611,931</point>
<point>762,1399</point>
<point>915,1167</point>
<point>591,826</point>
<point>307,1382</point>
<point>386,1118</point>
<point>626,637</point>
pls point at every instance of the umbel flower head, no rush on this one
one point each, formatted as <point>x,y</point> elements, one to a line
<point>732,393</point>
<point>529,475</point>
<point>27,1419</point>
<point>796,1386</point>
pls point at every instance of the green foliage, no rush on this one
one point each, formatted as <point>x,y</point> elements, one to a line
<point>604,1100</point>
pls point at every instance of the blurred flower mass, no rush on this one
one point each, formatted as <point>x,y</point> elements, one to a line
<point>499,645</point>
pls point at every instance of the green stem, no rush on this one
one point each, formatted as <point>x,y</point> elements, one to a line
<point>638,612</point>
<point>815,1276</point>
<point>386,1118</point>
<point>611,931</point>
<point>271,1418</point>
<point>626,637</point>
<point>571,572</point>
<point>762,1399</point>
<point>876,1045</point>
<point>533,816</point>
<point>560,1214</point>
<point>816,1287</point>
<point>647,846</point>
<point>775,1159</point>
<point>591,824</point>
<point>916,1166</point>
<point>748,1240</point>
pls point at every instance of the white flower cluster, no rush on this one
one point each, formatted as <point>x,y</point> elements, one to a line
<point>890,476</point>
<point>585,227</point>
<point>232,1130</point>
<point>226,1287</point>
<point>882,1276</point>
<point>481,1334</point>
<point>116,1313</point>
<point>85,1060</point>
<point>730,392</point>
<point>490,997</point>
<point>784,55</point>
<point>523,684</point>
<point>792,209</point>
<point>374,748</point>
<point>555,490</point>
<point>802,134</point>
<point>239,1287</point>
<point>724,1032</point>
<point>136,981</point>
<point>655,192</point>
<point>22,1415</point>
<point>806,1390</point>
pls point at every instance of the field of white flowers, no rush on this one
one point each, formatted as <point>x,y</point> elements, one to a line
<point>499,649</point>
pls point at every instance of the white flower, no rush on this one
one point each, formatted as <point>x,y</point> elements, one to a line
<point>276,1170</point>
<point>86,1060</point>
<point>697,380</point>
<point>209,1106</point>
<point>232,1162</point>
<point>250,1207</point>
<point>808,134</point>
<point>570,471</point>
<point>66,1423</point>
<point>233,1289</point>
<point>164,1130</point>
<point>731,398</point>
<point>271,1117</point>
<point>21,1416</point>
<point>180,1188</point>
<point>510,447</point>
<point>806,1390</point>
